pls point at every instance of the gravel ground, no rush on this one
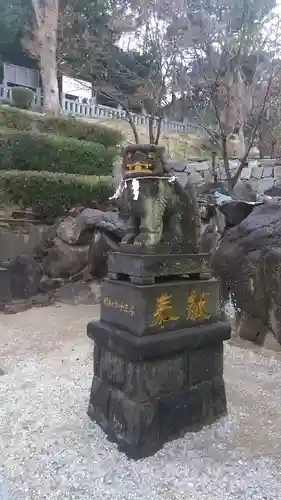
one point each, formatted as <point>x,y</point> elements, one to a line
<point>50,450</point>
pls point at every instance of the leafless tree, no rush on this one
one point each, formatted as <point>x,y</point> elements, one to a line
<point>97,58</point>
<point>228,54</point>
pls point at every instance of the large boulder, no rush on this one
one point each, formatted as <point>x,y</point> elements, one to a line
<point>64,261</point>
<point>243,191</point>
<point>79,230</point>
<point>248,262</point>
<point>274,190</point>
<point>98,253</point>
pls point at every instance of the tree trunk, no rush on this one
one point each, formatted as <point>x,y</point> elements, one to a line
<point>47,18</point>
<point>51,101</point>
<point>133,126</point>
<point>158,131</point>
<point>226,165</point>
<point>214,156</point>
<point>150,129</point>
<point>272,149</point>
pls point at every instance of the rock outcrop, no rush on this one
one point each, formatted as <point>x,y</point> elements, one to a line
<point>248,263</point>
<point>73,250</point>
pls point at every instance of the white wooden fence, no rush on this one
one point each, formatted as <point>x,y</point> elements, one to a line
<point>76,108</point>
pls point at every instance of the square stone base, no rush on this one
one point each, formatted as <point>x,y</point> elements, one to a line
<point>142,402</point>
<point>141,428</point>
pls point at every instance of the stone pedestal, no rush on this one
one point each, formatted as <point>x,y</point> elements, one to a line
<point>158,357</point>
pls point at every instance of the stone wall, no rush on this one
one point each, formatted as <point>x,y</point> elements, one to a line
<point>260,174</point>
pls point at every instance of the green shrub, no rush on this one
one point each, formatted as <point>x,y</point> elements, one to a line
<point>43,152</point>
<point>69,127</point>
<point>54,193</point>
<point>6,102</point>
<point>22,97</point>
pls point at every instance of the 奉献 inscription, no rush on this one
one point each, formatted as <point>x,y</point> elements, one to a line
<point>196,306</point>
<point>163,311</point>
<point>121,306</point>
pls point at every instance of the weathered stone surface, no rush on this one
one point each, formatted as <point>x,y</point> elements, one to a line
<point>145,379</point>
<point>251,328</point>
<point>156,264</point>
<point>235,212</point>
<point>205,364</point>
<point>209,238</point>
<point>20,239</point>
<point>1,375</point>
<point>78,293</point>
<point>100,246</point>
<point>65,260</point>
<point>72,231</point>
<point>244,191</point>
<point>48,284</point>
<point>142,405</point>
<point>79,230</point>
<point>158,346</point>
<point>25,275</point>
<point>146,310</point>
<point>274,190</point>
<point>248,261</point>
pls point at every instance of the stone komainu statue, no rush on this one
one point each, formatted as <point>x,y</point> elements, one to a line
<point>158,211</point>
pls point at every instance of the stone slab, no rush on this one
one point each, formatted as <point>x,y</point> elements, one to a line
<point>154,346</point>
<point>157,265</point>
<point>149,309</point>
